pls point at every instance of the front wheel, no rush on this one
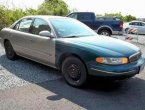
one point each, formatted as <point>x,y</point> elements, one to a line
<point>74,71</point>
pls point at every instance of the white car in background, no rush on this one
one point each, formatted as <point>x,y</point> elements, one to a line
<point>139,25</point>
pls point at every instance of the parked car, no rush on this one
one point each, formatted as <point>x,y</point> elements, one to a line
<point>102,25</point>
<point>139,25</point>
<point>75,49</point>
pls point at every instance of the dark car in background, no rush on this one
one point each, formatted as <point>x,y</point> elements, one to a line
<point>102,25</point>
<point>75,49</point>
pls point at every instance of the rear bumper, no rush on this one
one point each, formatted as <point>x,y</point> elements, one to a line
<point>117,32</point>
<point>117,71</point>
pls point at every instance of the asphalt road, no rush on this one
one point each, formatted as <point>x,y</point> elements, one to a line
<point>26,85</point>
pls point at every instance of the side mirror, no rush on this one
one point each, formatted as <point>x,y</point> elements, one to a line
<point>46,34</point>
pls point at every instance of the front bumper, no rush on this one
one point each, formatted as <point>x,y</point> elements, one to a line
<point>117,71</point>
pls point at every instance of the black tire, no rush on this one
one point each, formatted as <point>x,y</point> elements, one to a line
<point>10,53</point>
<point>104,32</point>
<point>126,30</point>
<point>74,71</point>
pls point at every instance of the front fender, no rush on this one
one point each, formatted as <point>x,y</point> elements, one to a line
<point>64,50</point>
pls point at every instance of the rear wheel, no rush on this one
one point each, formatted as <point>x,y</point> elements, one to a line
<point>10,53</point>
<point>74,71</point>
<point>104,32</point>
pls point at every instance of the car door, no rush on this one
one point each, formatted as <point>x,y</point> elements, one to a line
<point>20,36</point>
<point>135,25</point>
<point>42,48</point>
<point>139,28</point>
<point>142,28</point>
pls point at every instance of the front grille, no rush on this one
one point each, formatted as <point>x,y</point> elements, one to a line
<point>135,57</point>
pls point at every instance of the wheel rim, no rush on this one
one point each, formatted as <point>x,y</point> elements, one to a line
<point>105,33</point>
<point>74,72</point>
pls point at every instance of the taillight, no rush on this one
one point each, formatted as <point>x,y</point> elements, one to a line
<point>121,25</point>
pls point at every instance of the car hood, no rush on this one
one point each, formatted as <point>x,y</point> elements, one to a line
<point>103,45</point>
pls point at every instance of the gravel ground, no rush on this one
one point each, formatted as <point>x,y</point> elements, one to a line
<point>23,72</point>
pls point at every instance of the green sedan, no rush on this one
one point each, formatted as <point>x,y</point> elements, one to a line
<point>72,47</point>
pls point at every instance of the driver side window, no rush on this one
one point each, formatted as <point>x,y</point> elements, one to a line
<point>38,26</point>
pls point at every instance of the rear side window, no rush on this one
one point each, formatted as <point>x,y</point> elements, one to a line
<point>108,18</point>
<point>100,18</point>
<point>85,17</point>
<point>134,23</point>
<point>73,15</point>
<point>24,25</point>
<point>39,25</point>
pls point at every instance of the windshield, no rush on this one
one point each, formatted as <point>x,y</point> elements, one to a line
<point>71,28</point>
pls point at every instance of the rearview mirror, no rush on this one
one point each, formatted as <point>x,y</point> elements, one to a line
<point>46,34</point>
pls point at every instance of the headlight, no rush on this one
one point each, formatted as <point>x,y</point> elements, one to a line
<point>112,61</point>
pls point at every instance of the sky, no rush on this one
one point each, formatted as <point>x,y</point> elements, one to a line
<point>133,7</point>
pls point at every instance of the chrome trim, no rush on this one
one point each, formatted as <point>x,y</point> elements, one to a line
<point>117,32</point>
<point>134,54</point>
<point>104,26</point>
<point>113,72</point>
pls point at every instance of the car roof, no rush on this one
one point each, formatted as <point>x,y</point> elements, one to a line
<point>44,16</point>
<point>137,21</point>
<point>83,12</point>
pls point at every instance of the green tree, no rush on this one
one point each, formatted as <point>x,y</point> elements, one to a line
<point>53,7</point>
<point>48,7</point>
<point>119,15</point>
<point>30,11</point>
<point>4,21</point>
<point>99,15</point>
<point>14,14</point>
<point>128,18</point>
